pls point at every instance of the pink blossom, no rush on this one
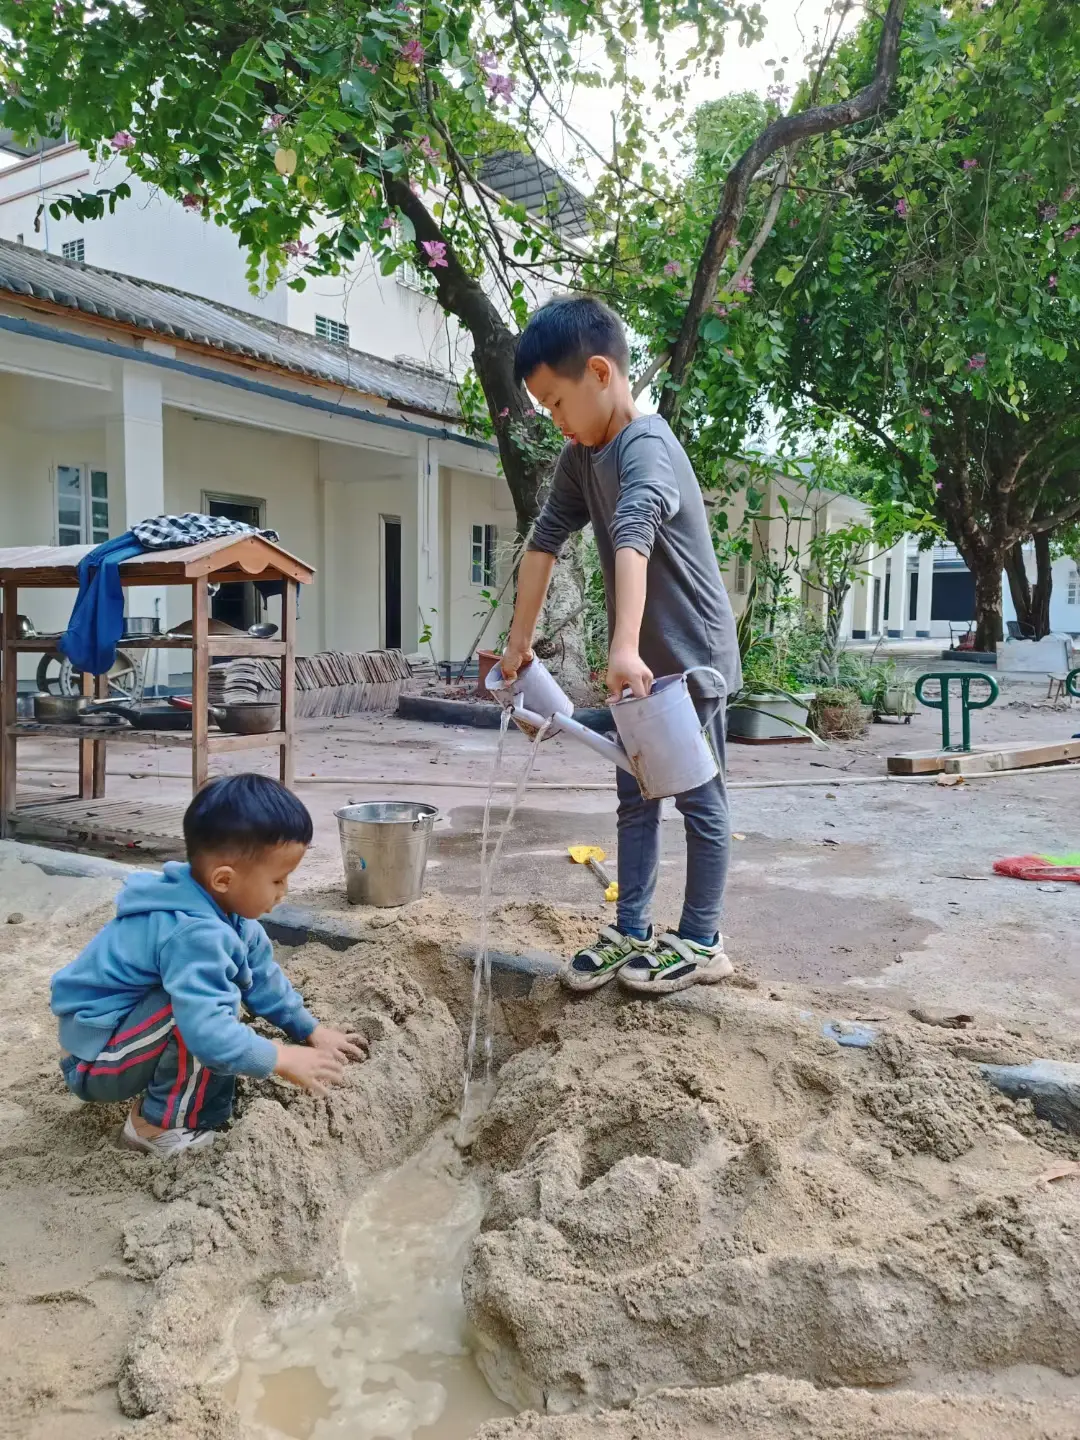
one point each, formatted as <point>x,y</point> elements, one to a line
<point>1071,233</point>
<point>925,412</point>
<point>503,414</point>
<point>721,311</point>
<point>901,207</point>
<point>500,87</point>
<point>387,224</point>
<point>402,5</point>
<point>296,247</point>
<point>435,250</point>
<point>366,64</point>
<point>192,201</point>
<point>413,52</point>
<point>940,486</point>
<point>58,9</point>
<point>970,165</point>
<point>123,140</point>
<point>274,121</point>
<point>977,362</point>
<point>1052,282</point>
<point>426,148</point>
<point>487,60</point>
<point>744,284</point>
<point>1068,193</point>
<point>1048,212</point>
<point>414,187</point>
<point>530,413</point>
<point>672,267</point>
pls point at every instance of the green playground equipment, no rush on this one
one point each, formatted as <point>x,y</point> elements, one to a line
<point>964,682</point>
<point>1070,683</point>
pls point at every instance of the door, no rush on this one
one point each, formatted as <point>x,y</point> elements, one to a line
<point>391,567</point>
<point>237,605</point>
<point>877,606</point>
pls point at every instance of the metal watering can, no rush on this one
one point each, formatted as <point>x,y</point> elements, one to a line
<point>662,742</point>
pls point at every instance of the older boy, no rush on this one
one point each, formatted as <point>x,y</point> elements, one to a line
<point>627,475</point>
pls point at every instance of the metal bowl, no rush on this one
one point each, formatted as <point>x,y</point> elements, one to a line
<point>263,631</point>
<point>253,717</point>
<point>60,709</point>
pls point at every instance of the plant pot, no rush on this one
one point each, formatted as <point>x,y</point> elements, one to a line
<point>485,660</point>
<point>841,722</point>
<point>898,700</point>
<point>767,719</point>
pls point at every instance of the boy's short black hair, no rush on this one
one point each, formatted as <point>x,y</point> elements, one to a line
<point>563,334</point>
<point>240,814</point>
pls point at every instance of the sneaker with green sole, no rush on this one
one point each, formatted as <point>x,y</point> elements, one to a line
<point>595,966</point>
<point>675,964</point>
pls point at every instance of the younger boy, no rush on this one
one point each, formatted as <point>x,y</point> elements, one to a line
<point>627,475</point>
<point>151,1007</point>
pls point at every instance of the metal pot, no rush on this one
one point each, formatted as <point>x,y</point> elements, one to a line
<point>252,717</point>
<point>136,625</point>
<point>24,627</point>
<point>60,709</point>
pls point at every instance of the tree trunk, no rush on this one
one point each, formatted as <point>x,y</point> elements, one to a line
<point>1020,589</point>
<point>1044,583</point>
<point>560,641</point>
<point>834,617</point>
<point>987,574</point>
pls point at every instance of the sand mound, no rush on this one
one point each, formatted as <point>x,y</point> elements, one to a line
<point>765,1407</point>
<point>683,1198</point>
<point>141,1265</point>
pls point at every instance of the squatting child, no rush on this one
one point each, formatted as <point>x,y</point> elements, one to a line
<point>627,475</point>
<point>150,1010</point>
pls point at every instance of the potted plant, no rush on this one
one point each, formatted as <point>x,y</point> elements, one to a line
<point>838,713</point>
<point>895,693</point>
<point>771,706</point>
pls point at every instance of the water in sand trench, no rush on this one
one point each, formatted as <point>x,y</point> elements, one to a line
<point>394,1362</point>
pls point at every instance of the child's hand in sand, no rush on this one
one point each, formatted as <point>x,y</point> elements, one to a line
<point>345,1044</point>
<point>313,1069</point>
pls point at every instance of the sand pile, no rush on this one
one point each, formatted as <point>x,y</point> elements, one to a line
<point>120,1274</point>
<point>766,1407</point>
<point>683,1198</point>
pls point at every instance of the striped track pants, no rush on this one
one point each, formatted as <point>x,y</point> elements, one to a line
<point>146,1055</point>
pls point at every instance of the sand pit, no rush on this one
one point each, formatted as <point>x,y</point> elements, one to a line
<point>704,1194</point>
<point>684,1196</point>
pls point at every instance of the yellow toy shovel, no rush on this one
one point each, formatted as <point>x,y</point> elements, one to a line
<point>592,855</point>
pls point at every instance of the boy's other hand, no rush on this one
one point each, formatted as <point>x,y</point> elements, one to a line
<point>516,654</point>
<point>627,669</point>
<point>311,1069</point>
<point>345,1044</point>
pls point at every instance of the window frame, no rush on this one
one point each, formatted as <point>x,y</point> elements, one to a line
<point>483,555</point>
<point>333,332</point>
<point>78,249</point>
<point>90,533</point>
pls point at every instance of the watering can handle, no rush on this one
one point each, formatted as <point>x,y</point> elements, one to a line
<point>708,670</point>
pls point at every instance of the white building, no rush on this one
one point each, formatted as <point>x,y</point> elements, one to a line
<point>140,375</point>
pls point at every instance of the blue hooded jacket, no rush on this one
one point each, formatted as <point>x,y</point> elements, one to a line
<point>169,932</point>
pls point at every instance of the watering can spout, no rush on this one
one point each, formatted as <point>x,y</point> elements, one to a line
<point>531,722</point>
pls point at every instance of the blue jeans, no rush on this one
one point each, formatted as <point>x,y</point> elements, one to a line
<point>708,843</point>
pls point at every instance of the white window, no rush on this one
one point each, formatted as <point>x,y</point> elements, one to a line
<point>1074,588</point>
<point>407,274</point>
<point>73,249</point>
<point>742,574</point>
<point>82,505</point>
<point>482,560</point>
<point>336,331</point>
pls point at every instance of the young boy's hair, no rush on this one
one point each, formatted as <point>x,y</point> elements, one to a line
<point>563,334</point>
<point>241,814</point>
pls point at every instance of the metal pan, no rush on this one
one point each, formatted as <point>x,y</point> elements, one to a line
<point>149,715</point>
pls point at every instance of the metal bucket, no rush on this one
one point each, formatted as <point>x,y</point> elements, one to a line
<point>384,846</point>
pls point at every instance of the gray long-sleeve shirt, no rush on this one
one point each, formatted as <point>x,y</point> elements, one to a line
<point>640,493</point>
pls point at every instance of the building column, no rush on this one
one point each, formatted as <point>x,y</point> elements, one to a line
<point>894,615</point>
<point>135,463</point>
<point>861,594</point>
<point>429,589</point>
<point>925,598</point>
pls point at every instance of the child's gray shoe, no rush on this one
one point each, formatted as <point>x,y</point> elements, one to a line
<point>675,964</point>
<point>169,1142</point>
<point>595,966</point>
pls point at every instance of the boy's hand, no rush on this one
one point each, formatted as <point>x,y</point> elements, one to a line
<point>345,1044</point>
<point>312,1069</point>
<point>516,654</point>
<point>626,668</point>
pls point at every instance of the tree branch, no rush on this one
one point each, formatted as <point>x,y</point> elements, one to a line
<point>779,135</point>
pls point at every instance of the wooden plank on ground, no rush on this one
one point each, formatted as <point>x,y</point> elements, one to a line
<point>917,762</point>
<point>1012,757</point>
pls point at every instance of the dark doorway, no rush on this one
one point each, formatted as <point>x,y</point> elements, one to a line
<point>877,606</point>
<point>913,600</point>
<point>953,596</point>
<point>391,583</point>
<point>237,605</point>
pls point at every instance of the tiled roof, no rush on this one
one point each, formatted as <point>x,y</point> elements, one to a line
<point>174,315</point>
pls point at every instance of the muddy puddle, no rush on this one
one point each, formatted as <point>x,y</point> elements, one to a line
<point>394,1362</point>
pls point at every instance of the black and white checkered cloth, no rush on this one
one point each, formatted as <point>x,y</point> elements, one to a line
<point>172,532</point>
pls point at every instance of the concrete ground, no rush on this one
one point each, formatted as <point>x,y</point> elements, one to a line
<point>840,878</point>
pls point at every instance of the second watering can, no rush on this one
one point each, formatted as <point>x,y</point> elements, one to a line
<point>662,740</point>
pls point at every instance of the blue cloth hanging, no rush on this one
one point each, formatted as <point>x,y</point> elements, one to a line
<point>97,621</point>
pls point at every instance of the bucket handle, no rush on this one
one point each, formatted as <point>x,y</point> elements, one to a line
<point>708,670</point>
